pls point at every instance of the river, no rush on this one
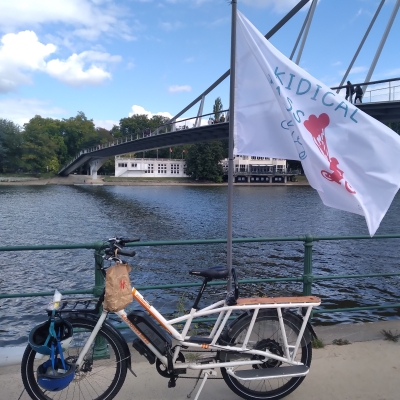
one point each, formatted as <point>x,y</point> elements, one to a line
<point>37,215</point>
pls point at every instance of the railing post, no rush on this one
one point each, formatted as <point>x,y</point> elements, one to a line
<point>98,276</point>
<point>307,273</point>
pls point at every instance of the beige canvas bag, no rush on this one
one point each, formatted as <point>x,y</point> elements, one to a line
<point>118,288</point>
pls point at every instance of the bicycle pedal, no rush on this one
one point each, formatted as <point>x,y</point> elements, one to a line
<point>172,382</point>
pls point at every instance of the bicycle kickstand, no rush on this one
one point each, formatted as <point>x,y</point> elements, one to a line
<point>206,373</point>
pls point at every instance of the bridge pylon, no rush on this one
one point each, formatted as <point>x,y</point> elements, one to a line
<point>95,165</point>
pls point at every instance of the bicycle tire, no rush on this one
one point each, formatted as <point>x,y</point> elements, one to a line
<point>100,377</point>
<point>266,334</point>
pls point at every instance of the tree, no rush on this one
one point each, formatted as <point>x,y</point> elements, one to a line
<point>203,161</point>
<point>395,126</point>
<point>10,145</point>
<point>41,145</point>
<point>79,133</point>
<point>217,108</point>
<point>137,124</point>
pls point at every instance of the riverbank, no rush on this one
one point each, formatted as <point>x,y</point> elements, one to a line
<point>110,181</point>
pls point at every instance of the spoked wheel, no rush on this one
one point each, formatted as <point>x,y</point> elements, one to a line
<point>266,335</point>
<point>101,375</point>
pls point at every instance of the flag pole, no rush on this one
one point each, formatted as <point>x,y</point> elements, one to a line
<point>231,144</point>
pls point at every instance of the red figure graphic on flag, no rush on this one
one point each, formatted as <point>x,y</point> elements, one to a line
<point>316,126</point>
<point>122,284</point>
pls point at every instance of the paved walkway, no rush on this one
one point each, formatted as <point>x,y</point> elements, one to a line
<point>366,370</point>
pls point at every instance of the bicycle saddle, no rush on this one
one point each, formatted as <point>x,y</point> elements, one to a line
<point>218,271</point>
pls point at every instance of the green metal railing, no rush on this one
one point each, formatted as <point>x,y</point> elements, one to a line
<point>307,278</point>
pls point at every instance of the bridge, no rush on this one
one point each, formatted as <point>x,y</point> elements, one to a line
<point>382,103</point>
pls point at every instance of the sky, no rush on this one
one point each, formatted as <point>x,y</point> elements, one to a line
<point>112,59</point>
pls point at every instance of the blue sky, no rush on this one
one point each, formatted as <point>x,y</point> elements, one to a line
<point>110,59</point>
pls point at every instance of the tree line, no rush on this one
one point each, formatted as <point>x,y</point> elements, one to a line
<point>46,144</point>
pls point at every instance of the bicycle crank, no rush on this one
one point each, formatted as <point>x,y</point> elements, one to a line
<point>162,369</point>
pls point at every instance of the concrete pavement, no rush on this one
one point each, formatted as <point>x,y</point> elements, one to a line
<point>365,370</point>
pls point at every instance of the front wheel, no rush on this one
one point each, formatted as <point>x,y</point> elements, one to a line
<point>266,335</point>
<point>102,372</point>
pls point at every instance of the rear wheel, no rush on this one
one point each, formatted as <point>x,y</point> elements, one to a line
<point>266,335</point>
<point>101,375</point>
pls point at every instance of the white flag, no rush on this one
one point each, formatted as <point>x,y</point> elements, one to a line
<point>281,111</point>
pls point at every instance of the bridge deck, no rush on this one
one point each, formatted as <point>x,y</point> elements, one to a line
<point>388,111</point>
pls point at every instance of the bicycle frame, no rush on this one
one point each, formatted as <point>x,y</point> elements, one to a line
<point>211,342</point>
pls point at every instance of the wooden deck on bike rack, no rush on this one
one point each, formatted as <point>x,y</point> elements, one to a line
<point>278,300</point>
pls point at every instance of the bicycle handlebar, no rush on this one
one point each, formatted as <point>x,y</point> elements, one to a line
<point>128,253</point>
<point>113,248</point>
<point>124,240</point>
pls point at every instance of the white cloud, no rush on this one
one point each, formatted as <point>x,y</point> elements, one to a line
<point>393,72</point>
<point>177,88</point>
<point>89,18</point>
<point>171,26</point>
<point>22,53</point>
<point>139,110</point>
<point>21,111</point>
<point>105,123</point>
<point>355,70</point>
<point>277,5</point>
<point>189,59</point>
<point>75,71</point>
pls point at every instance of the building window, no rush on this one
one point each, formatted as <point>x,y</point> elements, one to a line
<point>122,165</point>
<point>134,165</point>
<point>150,169</point>
<point>162,168</point>
<point>174,168</point>
<point>242,168</point>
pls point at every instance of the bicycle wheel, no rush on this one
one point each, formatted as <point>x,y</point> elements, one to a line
<point>266,334</point>
<point>101,375</point>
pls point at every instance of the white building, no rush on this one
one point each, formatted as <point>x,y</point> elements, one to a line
<point>149,167</point>
<point>246,168</point>
<point>258,169</point>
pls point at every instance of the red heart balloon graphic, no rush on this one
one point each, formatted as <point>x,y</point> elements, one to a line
<point>315,124</point>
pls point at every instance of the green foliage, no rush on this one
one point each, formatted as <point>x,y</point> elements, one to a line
<point>10,145</point>
<point>136,124</point>
<point>203,161</point>
<point>46,144</point>
<point>78,133</point>
<point>217,108</point>
<point>317,343</point>
<point>340,342</point>
<point>38,148</point>
<point>388,335</point>
<point>395,126</point>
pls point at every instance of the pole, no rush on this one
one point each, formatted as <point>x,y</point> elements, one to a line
<point>382,43</point>
<point>361,44</point>
<point>303,41</point>
<point>300,34</point>
<point>231,144</point>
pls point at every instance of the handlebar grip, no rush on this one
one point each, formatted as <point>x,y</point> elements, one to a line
<point>128,253</point>
<point>124,240</point>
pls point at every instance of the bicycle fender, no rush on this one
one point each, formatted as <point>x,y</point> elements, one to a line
<point>79,314</point>
<point>123,343</point>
